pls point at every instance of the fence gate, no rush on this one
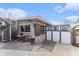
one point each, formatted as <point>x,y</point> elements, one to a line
<point>60,34</point>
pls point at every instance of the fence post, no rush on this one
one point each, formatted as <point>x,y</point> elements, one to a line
<point>60,33</point>
<point>51,35</point>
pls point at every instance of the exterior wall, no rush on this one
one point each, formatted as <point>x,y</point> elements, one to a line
<point>37,29</point>
<point>33,29</point>
<point>77,39</point>
<point>31,33</point>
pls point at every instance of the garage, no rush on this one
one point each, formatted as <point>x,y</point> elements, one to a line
<point>59,33</point>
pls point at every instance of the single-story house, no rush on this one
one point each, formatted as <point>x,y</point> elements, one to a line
<point>32,26</point>
<point>35,26</point>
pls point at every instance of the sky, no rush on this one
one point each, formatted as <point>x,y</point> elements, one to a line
<point>55,13</point>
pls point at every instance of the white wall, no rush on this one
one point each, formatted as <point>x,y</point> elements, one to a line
<point>66,37</point>
<point>56,36</point>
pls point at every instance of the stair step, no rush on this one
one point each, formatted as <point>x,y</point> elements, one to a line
<point>5,40</point>
<point>7,36</point>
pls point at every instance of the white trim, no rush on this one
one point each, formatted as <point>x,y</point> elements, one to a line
<point>23,27</point>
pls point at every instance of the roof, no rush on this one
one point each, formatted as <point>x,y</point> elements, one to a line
<point>34,18</point>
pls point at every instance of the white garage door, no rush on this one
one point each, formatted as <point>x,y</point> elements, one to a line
<point>66,37</point>
<point>48,35</point>
<point>56,36</point>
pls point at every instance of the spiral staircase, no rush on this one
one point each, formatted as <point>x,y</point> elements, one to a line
<point>3,26</point>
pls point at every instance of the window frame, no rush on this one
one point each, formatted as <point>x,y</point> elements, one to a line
<point>26,29</point>
<point>65,28</point>
<point>22,30</point>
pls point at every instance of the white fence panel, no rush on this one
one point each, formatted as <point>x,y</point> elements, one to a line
<point>56,36</point>
<point>48,35</point>
<point>66,37</point>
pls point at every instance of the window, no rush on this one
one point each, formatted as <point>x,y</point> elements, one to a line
<point>22,28</point>
<point>42,29</point>
<point>56,28</point>
<point>27,28</point>
<point>65,28</point>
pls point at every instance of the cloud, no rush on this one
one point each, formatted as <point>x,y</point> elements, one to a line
<point>59,9</point>
<point>72,6</point>
<point>16,13</point>
<point>71,19</point>
<point>2,12</point>
<point>67,20</point>
<point>67,6</point>
<point>13,13</point>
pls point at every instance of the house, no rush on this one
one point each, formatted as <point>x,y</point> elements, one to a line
<point>33,26</point>
<point>36,26</point>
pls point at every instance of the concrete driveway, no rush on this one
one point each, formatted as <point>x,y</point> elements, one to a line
<point>47,49</point>
<point>65,50</point>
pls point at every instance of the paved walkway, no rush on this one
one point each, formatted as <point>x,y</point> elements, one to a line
<point>48,49</point>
